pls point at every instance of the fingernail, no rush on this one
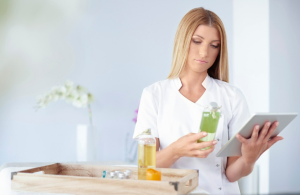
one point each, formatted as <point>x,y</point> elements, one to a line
<point>257,127</point>
<point>268,124</point>
<point>204,133</point>
<point>277,123</point>
<point>215,142</point>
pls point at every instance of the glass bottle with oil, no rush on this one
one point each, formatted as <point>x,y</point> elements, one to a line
<point>146,153</point>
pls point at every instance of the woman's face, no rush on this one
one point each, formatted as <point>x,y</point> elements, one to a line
<point>204,48</point>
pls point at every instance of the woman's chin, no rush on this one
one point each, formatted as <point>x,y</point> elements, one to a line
<point>199,70</point>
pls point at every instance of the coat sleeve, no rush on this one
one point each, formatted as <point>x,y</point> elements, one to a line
<point>147,114</point>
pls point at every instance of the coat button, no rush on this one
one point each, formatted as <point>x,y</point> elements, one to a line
<point>220,188</point>
<point>218,139</point>
<point>217,165</point>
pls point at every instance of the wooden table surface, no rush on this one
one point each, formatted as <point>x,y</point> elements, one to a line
<point>6,169</point>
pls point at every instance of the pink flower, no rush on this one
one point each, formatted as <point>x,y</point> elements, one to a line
<point>135,118</point>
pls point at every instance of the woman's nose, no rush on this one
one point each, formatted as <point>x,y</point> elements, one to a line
<point>203,51</point>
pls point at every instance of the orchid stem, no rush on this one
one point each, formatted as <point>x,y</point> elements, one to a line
<point>90,115</point>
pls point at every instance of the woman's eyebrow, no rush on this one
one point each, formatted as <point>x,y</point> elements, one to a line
<point>203,38</point>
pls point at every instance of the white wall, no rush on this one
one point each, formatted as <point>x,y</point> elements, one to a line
<point>113,48</point>
<point>266,45</point>
<point>251,69</point>
<point>285,93</point>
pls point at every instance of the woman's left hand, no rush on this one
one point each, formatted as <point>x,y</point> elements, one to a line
<point>258,143</point>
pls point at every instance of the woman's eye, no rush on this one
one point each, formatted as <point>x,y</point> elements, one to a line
<point>198,42</point>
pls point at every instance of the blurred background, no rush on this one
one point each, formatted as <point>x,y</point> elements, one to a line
<point>116,48</point>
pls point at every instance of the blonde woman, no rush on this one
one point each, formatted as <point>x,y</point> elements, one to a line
<point>172,108</point>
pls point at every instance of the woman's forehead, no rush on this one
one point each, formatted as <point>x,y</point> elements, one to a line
<point>207,32</point>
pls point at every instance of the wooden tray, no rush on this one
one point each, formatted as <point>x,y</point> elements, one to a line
<point>87,179</point>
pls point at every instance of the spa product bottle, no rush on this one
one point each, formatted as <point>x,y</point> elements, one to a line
<point>209,122</point>
<point>146,153</point>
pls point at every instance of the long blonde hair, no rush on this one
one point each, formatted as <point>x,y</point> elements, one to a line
<point>185,31</point>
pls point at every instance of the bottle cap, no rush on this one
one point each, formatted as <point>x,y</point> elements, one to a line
<point>146,132</point>
<point>213,108</point>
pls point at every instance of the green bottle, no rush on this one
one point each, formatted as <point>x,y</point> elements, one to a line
<point>209,122</point>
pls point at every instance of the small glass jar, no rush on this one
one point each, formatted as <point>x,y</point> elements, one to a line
<point>121,176</point>
<point>127,175</point>
<point>107,174</point>
<point>112,175</point>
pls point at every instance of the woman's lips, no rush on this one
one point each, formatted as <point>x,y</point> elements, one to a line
<point>201,61</point>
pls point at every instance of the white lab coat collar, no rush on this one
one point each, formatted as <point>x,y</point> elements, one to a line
<point>206,83</point>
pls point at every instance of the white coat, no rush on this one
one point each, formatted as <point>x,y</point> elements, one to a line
<point>170,116</point>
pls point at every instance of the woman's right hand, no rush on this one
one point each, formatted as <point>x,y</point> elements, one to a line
<point>188,146</point>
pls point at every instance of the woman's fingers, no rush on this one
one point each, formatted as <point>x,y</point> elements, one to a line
<point>198,146</point>
<point>263,132</point>
<point>195,136</point>
<point>254,135</point>
<point>241,138</point>
<point>273,141</point>
<point>202,153</point>
<point>271,130</point>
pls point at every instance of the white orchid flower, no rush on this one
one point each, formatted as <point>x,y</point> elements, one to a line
<point>80,90</point>
<point>55,93</point>
<point>91,98</point>
<point>77,95</point>
<point>63,91</point>
<point>72,96</point>
<point>69,85</point>
<point>84,100</point>
<point>77,103</point>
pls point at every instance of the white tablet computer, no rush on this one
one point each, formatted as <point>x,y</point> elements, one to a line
<point>233,146</point>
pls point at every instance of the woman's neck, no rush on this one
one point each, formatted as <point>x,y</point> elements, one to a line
<point>192,80</point>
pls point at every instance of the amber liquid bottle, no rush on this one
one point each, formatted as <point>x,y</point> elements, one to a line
<point>146,153</point>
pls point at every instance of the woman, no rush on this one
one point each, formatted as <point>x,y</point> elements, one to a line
<point>172,108</point>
